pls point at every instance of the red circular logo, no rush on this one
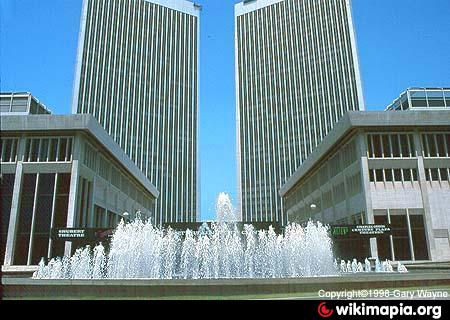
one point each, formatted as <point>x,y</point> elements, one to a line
<point>323,311</point>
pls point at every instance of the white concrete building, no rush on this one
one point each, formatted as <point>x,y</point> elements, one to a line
<point>381,168</point>
<point>62,172</point>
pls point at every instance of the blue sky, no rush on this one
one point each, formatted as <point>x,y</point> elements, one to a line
<point>401,43</point>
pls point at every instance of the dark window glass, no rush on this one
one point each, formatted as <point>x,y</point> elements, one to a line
<point>436,102</point>
<point>112,220</point>
<point>411,145</point>
<point>62,149</point>
<point>99,217</point>
<point>444,174</point>
<point>34,150</point>
<point>398,175</point>
<point>8,149</point>
<point>383,243</point>
<point>432,145</point>
<point>401,238</point>
<point>53,150</point>
<point>434,174</point>
<point>395,146</point>
<point>369,144</point>
<point>447,140</point>
<point>44,150</point>
<point>62,200</point>
<point>41,233</point>
<point>6,193</point>
<point>388,174</point>
<point>377,145</point>
<point>379,175</point>
<point>69,150</point>
<point>386,146</point>
<point>404,146</point>
<point>414,175</point>
<point>440,140</point>
<point>407,174</point>
<point>25,217</point>
<point>27,150</point>
<point>61,208</point>
<point>427,175</point>
<point>419,103</point>
<point>418,237</point>
<point>372,175</point>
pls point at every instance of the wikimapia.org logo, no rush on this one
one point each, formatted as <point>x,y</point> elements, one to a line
<point>355,309</point>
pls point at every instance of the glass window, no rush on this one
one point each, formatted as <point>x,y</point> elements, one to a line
<point>419,237</point>
<point>383,243</point>
<point>432,147</point>
<point>379,175</point>
<point>388,175</point>
<point>24,220</point>
<point>44,150</point>
<point>6,192</point>
<point>436,98</point>
<point>34,150</point>
<point>377,146</point>
<point>41,232</point>
<point>395,145</point>
<point>53,150</point>
<point>372,175</point>
<point>407,174</point>
<point>398,175</point>
<point>400,237</point>
<point>6,150</point>
<point>370,146</point>
<point>444,174</point>
<point>62,149</point>
<point>440,141</point>
<point>419,103</point>
<point>19,104</point>
<point>61,209</point>
<point>414,175</point>
<point>386,146</point>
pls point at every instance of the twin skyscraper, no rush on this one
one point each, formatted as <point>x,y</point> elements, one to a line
<point>297,73</point>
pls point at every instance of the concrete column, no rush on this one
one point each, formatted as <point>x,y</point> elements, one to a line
<point>77,156</point>
<point>13,220</point>
<point>33,220</point>
<point>91,204</point>
<point>410,235</point>
<point>391,237</point>
<point>72,208</point>
<point>361,145</point>
<point>431,245</point>
<point>52,221</point>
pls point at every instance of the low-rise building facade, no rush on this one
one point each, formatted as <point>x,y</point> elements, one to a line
<point>62,172</point>
<point>21,103</point>
<point>381,168</point>
<point>422,99</point>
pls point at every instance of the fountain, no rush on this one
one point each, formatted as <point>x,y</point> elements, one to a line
<point>224,209</point>
<point>139,250</point>
<point>401,268</point>
<point>368,267</point>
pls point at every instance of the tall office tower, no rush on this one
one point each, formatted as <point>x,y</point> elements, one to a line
<point>137,73</point>
<point>296,74</point>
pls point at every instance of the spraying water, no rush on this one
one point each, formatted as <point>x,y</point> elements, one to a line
<point>139,250</point>
<point>224,209</point>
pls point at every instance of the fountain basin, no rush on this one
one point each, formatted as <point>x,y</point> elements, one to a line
<point>27,288</point>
